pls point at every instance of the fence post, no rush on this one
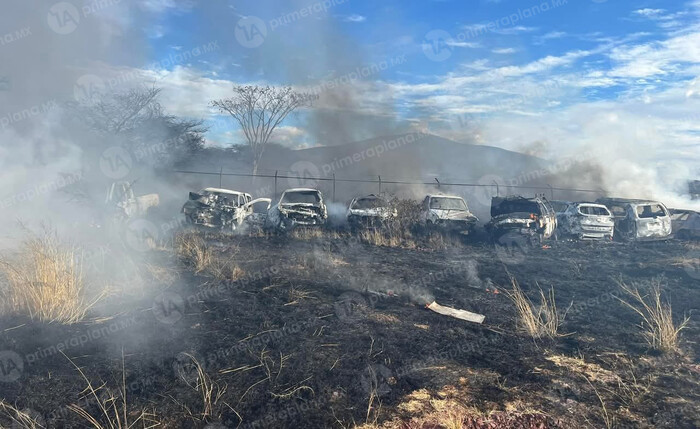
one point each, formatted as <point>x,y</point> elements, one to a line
<point>380,184</point>
<point>438,182</point>
<point>333,186</point>
<point>275,194</point>
<point>221,171</point>
<point>497,190</point>
<point>551,190</point>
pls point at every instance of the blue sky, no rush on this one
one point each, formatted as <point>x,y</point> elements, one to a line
<point>609,79</point>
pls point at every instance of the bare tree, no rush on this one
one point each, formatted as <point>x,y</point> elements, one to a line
<point>258,110</point>
<point>118,113</point>
<point>136,120</point>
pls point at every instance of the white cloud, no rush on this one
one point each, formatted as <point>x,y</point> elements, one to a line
<point>504,51</point>
<point>476,30</point>
<point>517,29</point>
<point>159,6</point>
<point>354,18</point>
<point>538,40</point>
<point>656,58</point>
<point>456,44</point>
<point>649,12</point>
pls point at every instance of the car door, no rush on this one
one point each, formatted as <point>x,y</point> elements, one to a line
<point>425,212</point>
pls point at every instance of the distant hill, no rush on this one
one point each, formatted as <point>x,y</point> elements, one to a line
<point>404,157</point>
<point>400,157</point>
<point>407,156</point>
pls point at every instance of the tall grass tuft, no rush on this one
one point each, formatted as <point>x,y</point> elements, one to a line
<point>45,280</point>
<point>657,317</point>
<point>193,250</point>
<point>543,321</point>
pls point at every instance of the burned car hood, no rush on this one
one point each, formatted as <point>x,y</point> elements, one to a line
<point>300,207</point>
<point>382,212</point>
<point>453,214</point>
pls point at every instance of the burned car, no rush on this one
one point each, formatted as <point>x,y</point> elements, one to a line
<point>298,207</point>
<point>219,208</point>
<point>639,219</point>
<point>122,203</point>
<point>585,221</point>
<point>369,211</point>
<point>685,224</point>
<point>448,212</point>
<point>529,217</point>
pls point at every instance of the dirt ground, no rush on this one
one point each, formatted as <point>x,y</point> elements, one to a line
<point>325,331</point>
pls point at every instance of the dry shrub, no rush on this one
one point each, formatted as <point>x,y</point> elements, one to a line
<point>657,317</point>
<point>538,322</point>
<point>193,251</point>
<point>396,231</point>
<point>45,279</point>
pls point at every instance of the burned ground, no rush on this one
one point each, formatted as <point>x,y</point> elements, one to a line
<point>324,331</point>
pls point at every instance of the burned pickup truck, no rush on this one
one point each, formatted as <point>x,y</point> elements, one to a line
<point>370,211</point>
<point>219,208</point>
<point>449,213</point>
<point>533,218</point>
<point>297,207</point>
<point>585,221</point>
<point>639,219</point>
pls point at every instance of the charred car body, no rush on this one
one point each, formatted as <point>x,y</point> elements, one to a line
<point>585,221</point>
<point>124,204</point>
<point>369,211</point>
<point>530,217</point>
<point>448,212</point>
<point>685,224</point>
<point>222,208</point>
<point>298,207</point>
<point>639,219</point>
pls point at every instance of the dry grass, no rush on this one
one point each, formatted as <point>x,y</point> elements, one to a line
<point>193,250</point>
<point>19,418</point>
<point>543,321</point>
<point>46,281</point>
<point>162,274</point>
<point>113,411</point>
<point>210,391</point>
<point>224,269</point>
<point>387,238</point>
<point>296,295</point>
<point>657,317</point>
<point>302,233</point>
<point>606,416</point>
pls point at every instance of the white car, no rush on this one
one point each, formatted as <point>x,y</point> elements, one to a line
<point>586,221</point>
<point>639,219</point>
<point>448,212</point>
<point>371,210</point>
<point>298,207</point>
<point>222,208</point>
